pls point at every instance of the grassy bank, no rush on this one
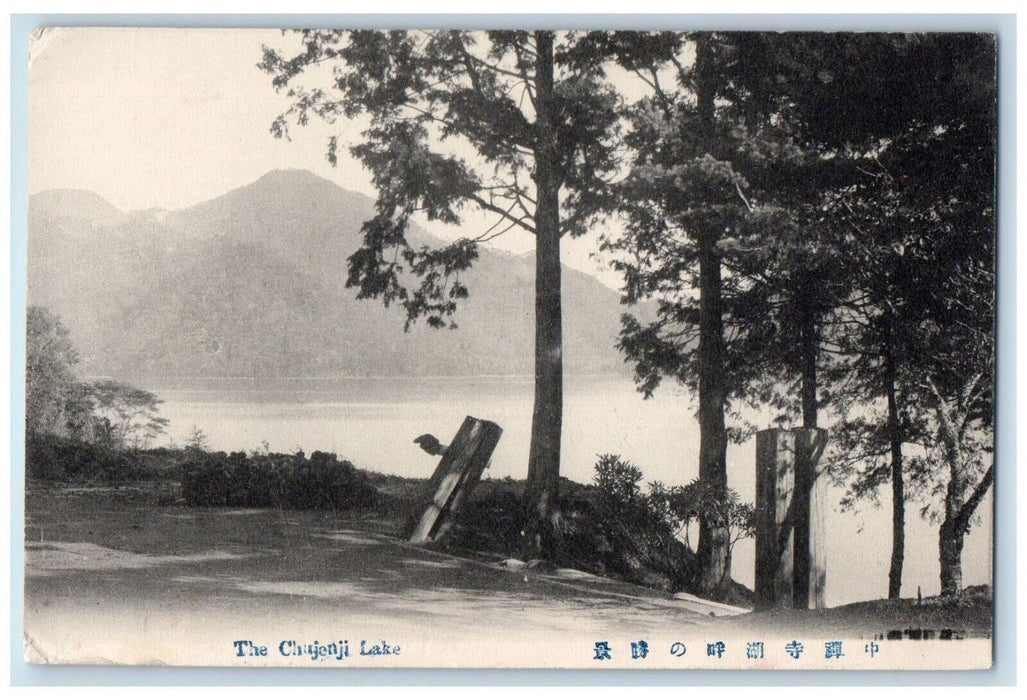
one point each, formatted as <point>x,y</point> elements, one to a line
<point>602,535</point>
<point>140,545</point>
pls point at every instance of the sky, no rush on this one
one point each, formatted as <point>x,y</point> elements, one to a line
<point>172,117</point>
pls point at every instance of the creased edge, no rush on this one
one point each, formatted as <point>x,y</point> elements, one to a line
<point>41,39</point>
<point>32,653</point>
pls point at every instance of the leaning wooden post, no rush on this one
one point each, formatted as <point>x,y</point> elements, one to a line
<point>790,502</point>
<point>459,470</point>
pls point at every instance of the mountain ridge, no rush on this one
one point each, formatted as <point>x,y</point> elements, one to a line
<point>252,283</point>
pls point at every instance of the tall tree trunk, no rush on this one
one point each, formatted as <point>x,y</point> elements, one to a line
<point>805,459</point>
<point>810,345</point>
<point>898,486</point>
<point>953,527</point>
<point>714,551</point>
<point>542,515</point>
<point>958,514</point>
<point>950,556</point>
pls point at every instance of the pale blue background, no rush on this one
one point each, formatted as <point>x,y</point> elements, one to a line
<point>1004,670</point>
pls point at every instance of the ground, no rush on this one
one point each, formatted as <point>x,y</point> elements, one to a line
<point>126,574</point>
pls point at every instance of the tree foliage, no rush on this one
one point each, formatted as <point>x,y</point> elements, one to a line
<point>842,232</point>
<point>917,221</point>
<point>666,513</point>
<point>109,413</point>
<point>812,213</point>
<point>519,125</point>
<point>708,222</point>
<point>454,124</point>
<point>125,416</point>
<point>54,401</point>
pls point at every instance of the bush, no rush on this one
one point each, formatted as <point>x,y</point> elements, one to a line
<point>650,523</point>
<point>699,503</point>
<point>611,528</point>
<point>490,521</point>
<point>639,533</point>
<point>53,458</point>
<point>275,480</point>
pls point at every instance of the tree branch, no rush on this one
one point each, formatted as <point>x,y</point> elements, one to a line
<point>742,195</point>
<point>524,76</point>
<point>488,66</point>
<point>485,204</point>
<point>967,510</point>
<point>941,408</point>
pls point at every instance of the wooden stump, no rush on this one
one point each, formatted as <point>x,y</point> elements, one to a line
<point>459,470</point>
<point>790,502</point>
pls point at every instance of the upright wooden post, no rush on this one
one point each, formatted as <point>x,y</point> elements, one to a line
<point>459,470</point>
<point>810,503</point>
<point>790,502</point>
<point>775,482</point>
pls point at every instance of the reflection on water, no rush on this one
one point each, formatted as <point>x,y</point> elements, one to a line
<point>373,421</point>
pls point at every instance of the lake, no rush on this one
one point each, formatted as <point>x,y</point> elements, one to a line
<point>373,421</point>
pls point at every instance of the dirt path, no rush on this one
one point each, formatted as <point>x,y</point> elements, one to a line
<point>112,578</point>
<point>130,571</point>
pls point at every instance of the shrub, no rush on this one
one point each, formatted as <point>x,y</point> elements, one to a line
<point>275,480</point>
<point>699,503</point>
<point>53,458</point>
<point>611,528</point>
<point>638,529</point>
<point>677,507</point>
<point>490,521</point>
<point>618,480</point>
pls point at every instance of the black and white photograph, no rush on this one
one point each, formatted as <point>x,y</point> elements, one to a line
<point>523,348</point>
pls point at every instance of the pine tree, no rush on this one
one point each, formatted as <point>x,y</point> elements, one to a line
<point>518,124</point>
<point>700,216</point>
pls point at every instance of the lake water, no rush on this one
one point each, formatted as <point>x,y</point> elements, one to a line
<point>373,421</point>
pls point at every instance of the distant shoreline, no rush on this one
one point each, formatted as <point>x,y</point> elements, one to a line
<point>257,382</point>
<point>365,376</point>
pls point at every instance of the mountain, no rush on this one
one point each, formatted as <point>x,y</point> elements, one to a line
<point>252,283</point>
<point>54,206</point>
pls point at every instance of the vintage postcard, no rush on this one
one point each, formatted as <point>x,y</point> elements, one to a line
<point>510,349</point>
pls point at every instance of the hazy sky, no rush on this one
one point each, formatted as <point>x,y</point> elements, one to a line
<point>172,117</point>
<point>161,117</point>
